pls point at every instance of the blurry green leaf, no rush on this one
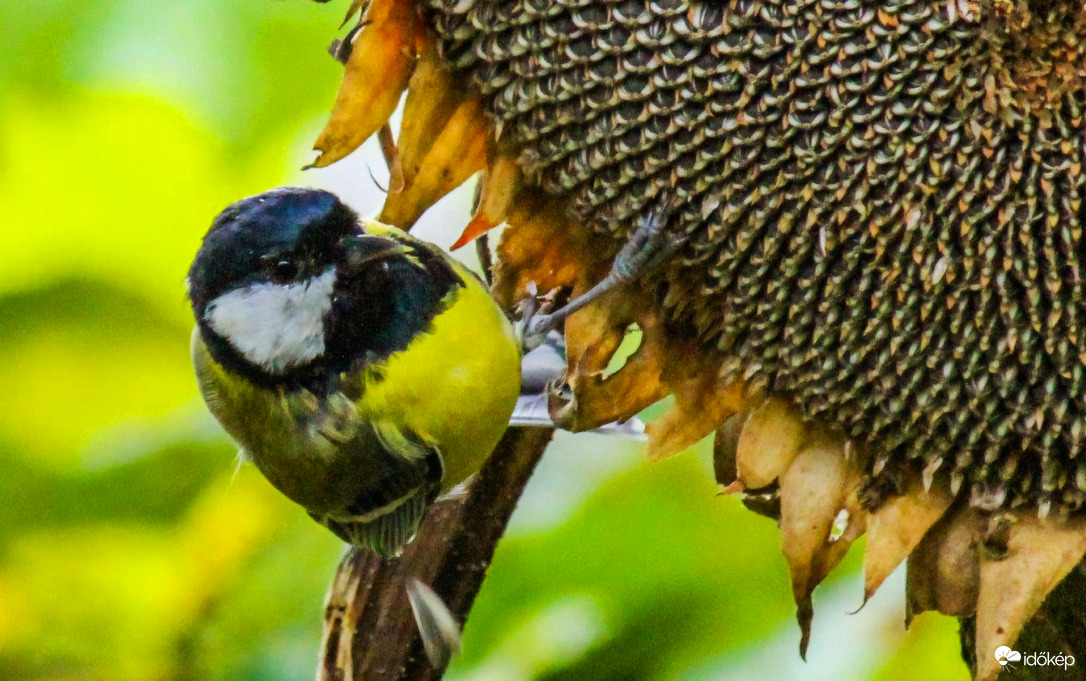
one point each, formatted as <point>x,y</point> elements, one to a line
<point>151,490</point>
<point>266,622</point>
<point>248,70</point>
<point>653,547</point>
<point>115,188</point>
<point>125,600</point>
<point>931,651</point>
<point>80,354</point>
<point>90,596</point>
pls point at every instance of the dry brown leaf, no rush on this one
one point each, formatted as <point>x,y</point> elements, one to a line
<point>660,365</point>
<point>770,439</point>
<point>458,153</point>
<point>377,73</point>
<point>543,245</point>
<point>503,180</point>
<point>896,528</point>
<point>817,489</point>
<point>1039,555</point>
<point>433,96</point>
<point>539,248</point>
<point>854,518</point>
<point>355,8</point>
<point>594,399</point>
<point>536,250</point>
<point>392,158</point>
<point>703,401</point>
<point>442,142</point>
<point>725,443</point>
<point>812,490</point>
<point>593,403</point>
<point>943,571</point>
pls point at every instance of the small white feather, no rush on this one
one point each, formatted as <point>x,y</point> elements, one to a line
<point>275,326</point>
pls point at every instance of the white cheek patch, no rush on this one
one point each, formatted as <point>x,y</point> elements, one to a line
<point>275,326</point>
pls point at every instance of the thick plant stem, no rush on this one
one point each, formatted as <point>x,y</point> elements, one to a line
<point>369,629</point>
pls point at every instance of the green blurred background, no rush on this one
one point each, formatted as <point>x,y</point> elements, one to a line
<point>132,548</point>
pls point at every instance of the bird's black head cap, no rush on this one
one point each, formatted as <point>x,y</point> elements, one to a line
<point>283,235</point>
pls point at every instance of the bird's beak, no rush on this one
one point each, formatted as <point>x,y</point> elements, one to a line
<point>372,249</point>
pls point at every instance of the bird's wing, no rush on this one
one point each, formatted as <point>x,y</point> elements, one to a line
<point>392,476</point>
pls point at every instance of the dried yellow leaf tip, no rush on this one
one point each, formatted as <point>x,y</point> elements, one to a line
<point>377,73</point>
<point>1015,580</point>
<point>354,8</point>
<point>896,528</point>
<point>770,439</point>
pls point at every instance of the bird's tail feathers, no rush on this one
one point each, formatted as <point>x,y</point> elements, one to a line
<point>387,531</point>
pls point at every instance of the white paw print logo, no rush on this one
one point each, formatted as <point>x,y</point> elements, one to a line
<point>1004,655</point>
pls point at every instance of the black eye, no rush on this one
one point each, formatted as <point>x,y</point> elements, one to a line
<point>284,271</point>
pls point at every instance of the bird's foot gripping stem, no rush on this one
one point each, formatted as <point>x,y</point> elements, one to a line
<point>649,247</point>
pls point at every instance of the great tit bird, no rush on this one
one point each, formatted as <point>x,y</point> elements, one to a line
<point>362,370</point>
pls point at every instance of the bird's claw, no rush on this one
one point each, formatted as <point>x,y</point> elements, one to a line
<point>649,247</point>
<point>535,320</point>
